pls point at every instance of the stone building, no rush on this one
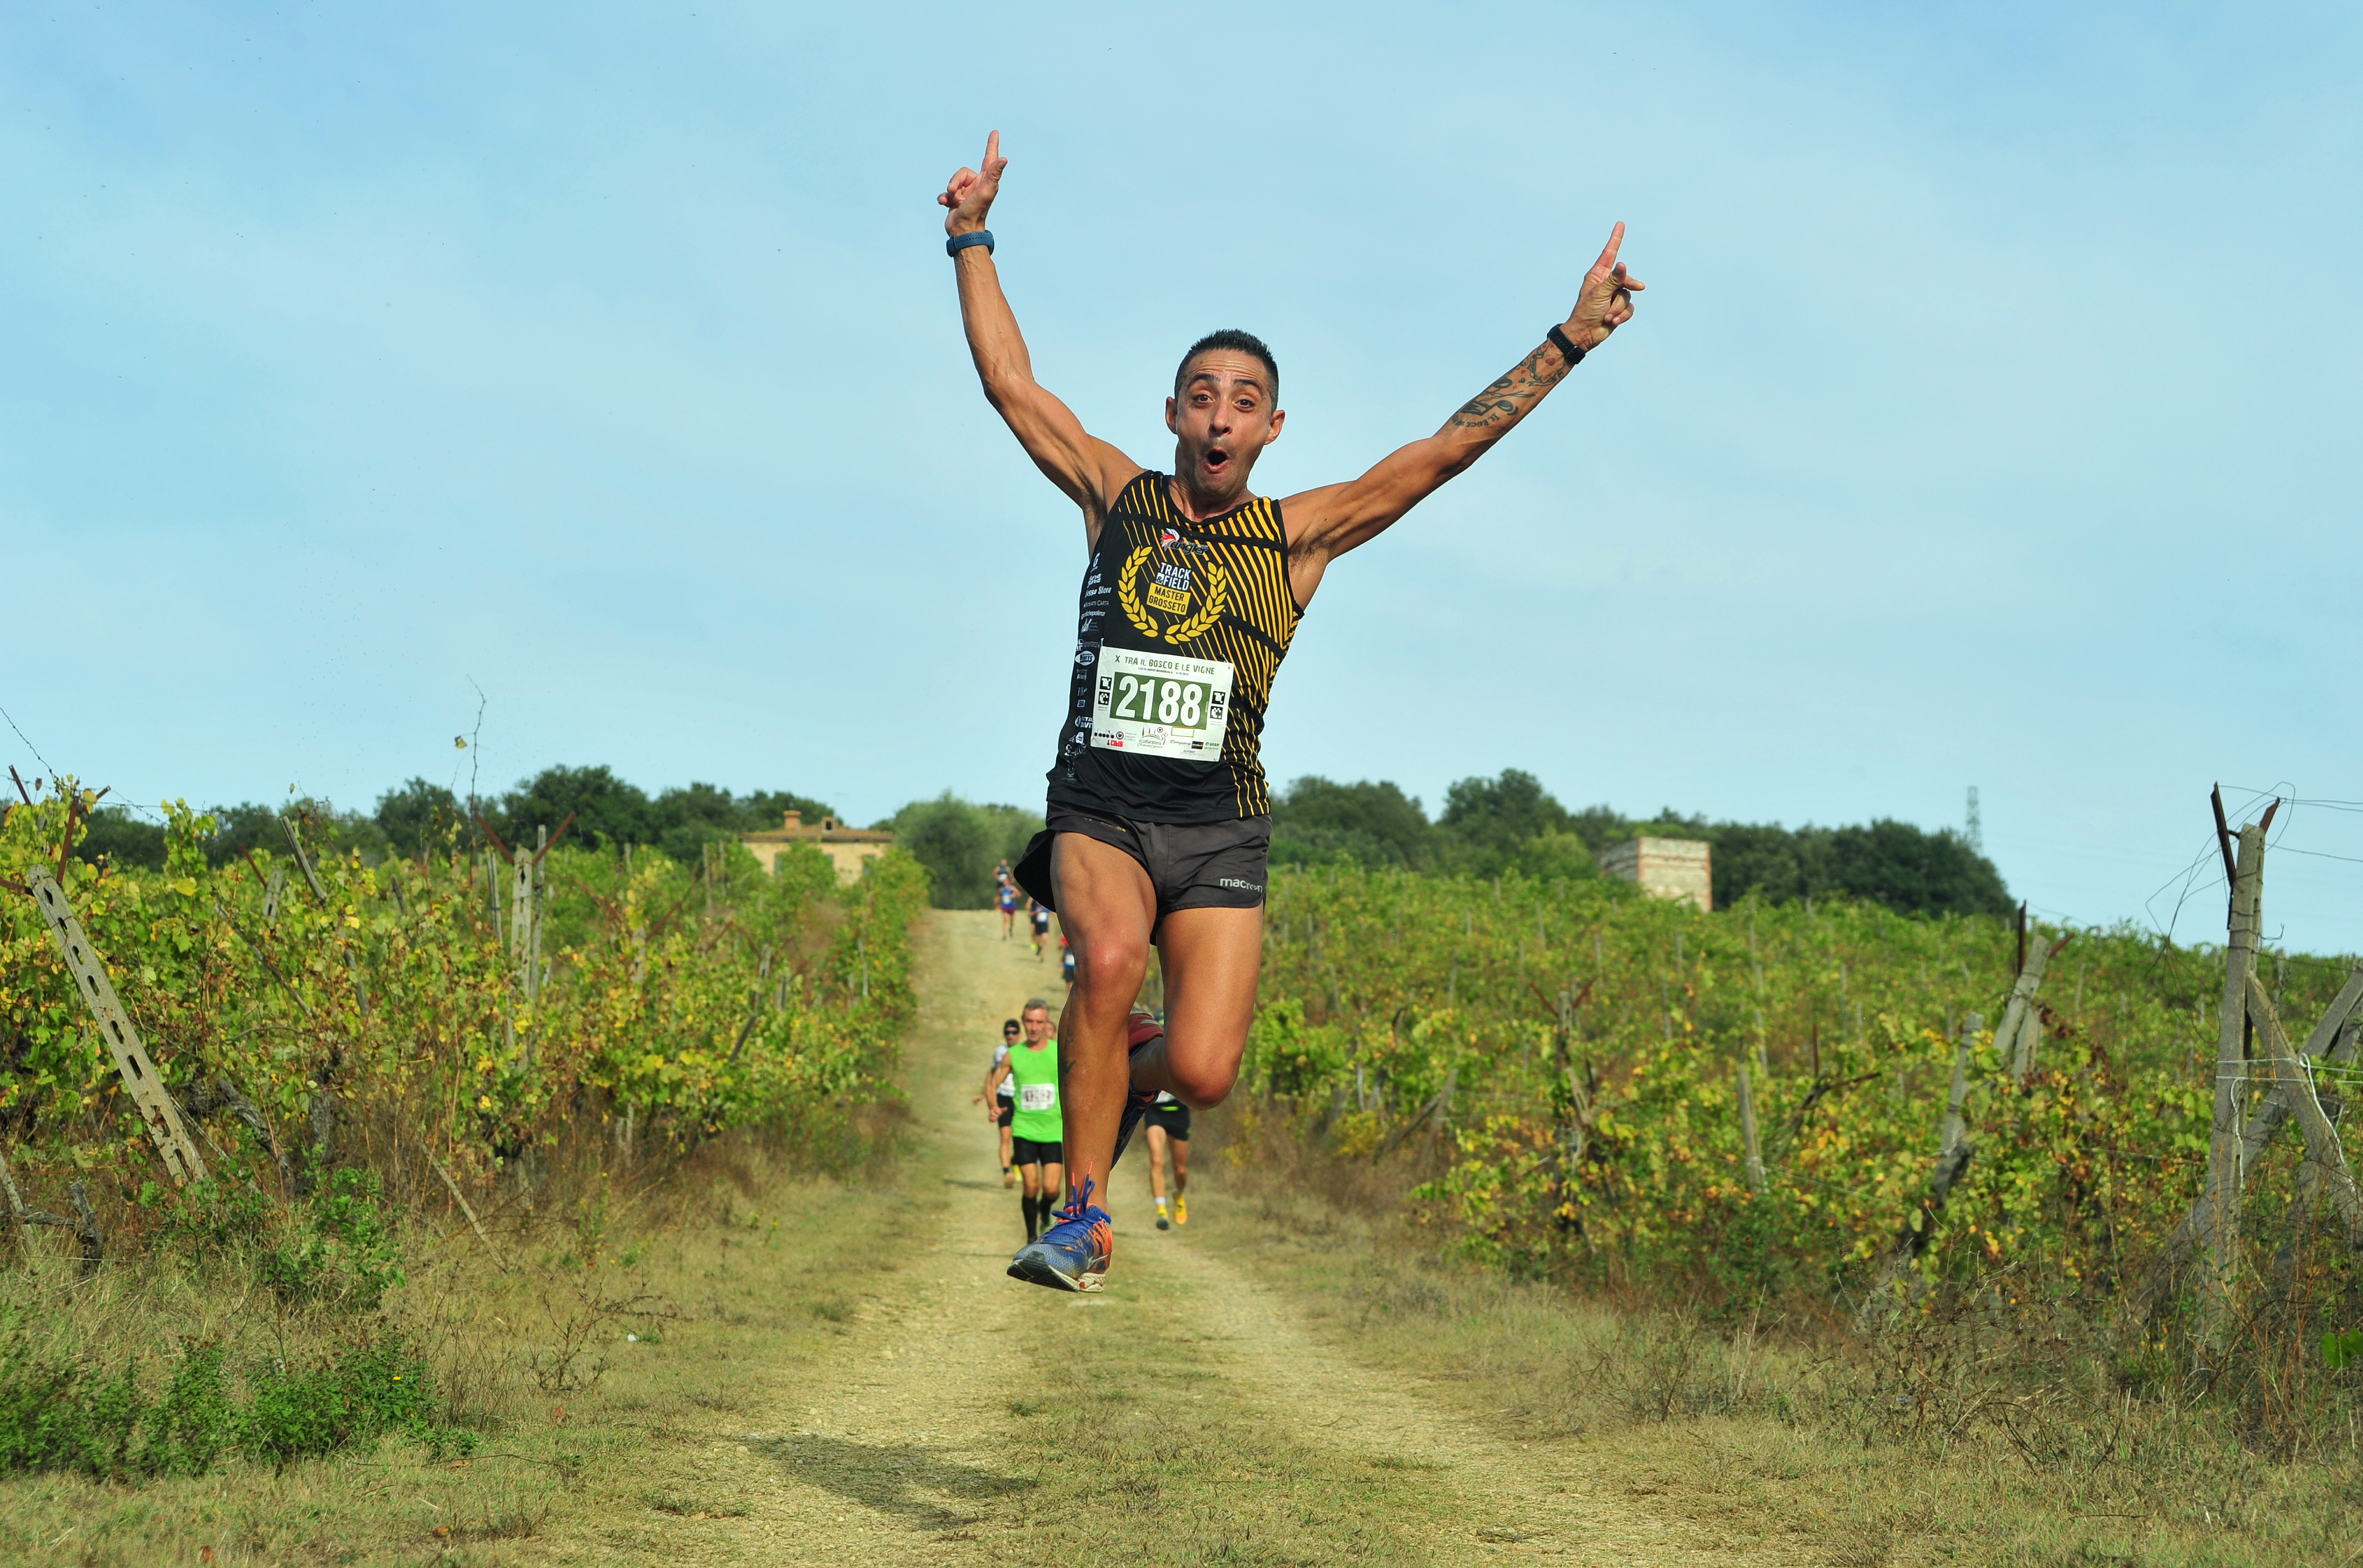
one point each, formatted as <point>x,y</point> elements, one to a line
<point>1666,868</point>
<point>847,847</point>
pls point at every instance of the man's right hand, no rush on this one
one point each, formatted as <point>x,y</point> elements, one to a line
<point>969,194</point>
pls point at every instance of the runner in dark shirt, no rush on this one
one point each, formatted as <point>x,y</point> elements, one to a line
<point>1158,822</point>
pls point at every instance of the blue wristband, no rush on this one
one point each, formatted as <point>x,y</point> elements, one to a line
<point>960,243</point>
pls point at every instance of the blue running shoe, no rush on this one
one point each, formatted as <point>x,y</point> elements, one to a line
<point>1073,1254</point>
<point>1145,1030</point>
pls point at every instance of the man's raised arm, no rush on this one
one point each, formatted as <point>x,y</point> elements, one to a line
<point>1326,523</point>
<point>1089,471</point>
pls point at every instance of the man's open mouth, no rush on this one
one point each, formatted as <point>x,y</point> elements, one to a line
<point>1217,459</point>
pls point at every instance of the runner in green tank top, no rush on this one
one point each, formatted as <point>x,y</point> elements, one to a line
<point>1034,1129</point>
<point>1159,822</point>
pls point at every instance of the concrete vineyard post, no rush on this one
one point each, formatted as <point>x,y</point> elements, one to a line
<point>540,899</point>
<point>1754,1153</point>
<point>1956,1126</point>
<point>521,917</point>
<point>1953,1152</point>
<point>131,1061</point>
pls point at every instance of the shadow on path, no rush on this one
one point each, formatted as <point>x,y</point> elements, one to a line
<point>892,1478</point>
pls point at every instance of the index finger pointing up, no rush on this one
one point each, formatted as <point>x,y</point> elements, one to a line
<point>1608,252</point>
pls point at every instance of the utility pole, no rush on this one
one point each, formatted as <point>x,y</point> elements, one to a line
<point>1976,827</point>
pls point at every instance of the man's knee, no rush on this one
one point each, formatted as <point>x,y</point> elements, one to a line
<point>1202,1085</point>
<point>1116,959</point>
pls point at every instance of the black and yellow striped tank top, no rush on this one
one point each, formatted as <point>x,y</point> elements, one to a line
<point>1182,627</point>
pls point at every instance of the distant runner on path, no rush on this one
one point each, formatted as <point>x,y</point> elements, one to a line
<point>1159,821</point>
<point>1033,1067</point>
<point>1040,920</point>
<point>1007,1095</point>
<point>1168,1129</point>
<point>1005,894</point>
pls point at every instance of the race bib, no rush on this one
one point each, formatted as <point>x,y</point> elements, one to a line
<point>1160,704</point>
<point>1039,1098</point>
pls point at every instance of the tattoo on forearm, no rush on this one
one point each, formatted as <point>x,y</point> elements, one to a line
<point>1507,400</point>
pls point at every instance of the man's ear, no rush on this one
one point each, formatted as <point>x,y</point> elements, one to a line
<point>1278,417</point>
<point>1170,425</point>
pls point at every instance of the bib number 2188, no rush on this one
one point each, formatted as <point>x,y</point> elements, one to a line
<point>1160,704</point>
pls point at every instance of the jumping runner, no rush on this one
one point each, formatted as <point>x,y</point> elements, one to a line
<point>1034,1131</point>
<point>1159,821</point>
<point>1040,918</point>
<point>1168,1127</point>
<point>1007,1097</point>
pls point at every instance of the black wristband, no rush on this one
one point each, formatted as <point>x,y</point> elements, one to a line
<point>960,243</point>
<point>1567,350</point>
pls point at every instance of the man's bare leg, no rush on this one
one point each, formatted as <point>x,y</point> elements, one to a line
<point>1210,961</point>
<point>1108,907</point>
<point>1211,958</point>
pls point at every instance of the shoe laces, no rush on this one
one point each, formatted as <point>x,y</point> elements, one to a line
<point>1077,1207</point>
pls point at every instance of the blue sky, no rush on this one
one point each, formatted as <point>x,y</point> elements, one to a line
<point>1988,418</point>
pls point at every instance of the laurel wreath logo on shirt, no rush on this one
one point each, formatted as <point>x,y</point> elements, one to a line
<point>1128,593</point>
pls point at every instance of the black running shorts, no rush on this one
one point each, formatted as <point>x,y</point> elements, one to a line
<point>1172,1115</point>
<point>1207,865</point>
<point>1008,1111</point>
<point>1026,1152</point>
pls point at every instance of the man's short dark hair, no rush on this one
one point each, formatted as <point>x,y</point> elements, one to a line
<point>1237,342</point>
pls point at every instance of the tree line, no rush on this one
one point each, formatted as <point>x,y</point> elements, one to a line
<point>605,809</point>
<point>1488,826</point>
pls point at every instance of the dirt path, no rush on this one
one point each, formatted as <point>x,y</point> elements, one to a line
<point>1188,1415</point>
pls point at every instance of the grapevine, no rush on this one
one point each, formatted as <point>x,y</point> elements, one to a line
<point>1579,1043</point>
<point>676,1003</point>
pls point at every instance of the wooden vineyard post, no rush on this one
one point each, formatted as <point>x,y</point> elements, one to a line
<point>2326,1161</point>
<point>2327,1040</point>
<point>1439,1113</point>
<point>2226,1146</point>
<point>1754,1150</point>
<point>131,1060</point>
<point>2334,1041</point>
<point>2021,1024</point>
